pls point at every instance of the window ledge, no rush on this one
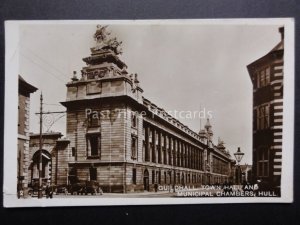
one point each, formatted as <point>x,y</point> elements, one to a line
<point>93,157</point>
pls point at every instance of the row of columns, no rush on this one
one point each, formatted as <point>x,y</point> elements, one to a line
<point>219,166</point>
<point>164,148</point>
<point>176,177</point>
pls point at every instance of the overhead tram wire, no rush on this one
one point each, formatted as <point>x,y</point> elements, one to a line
<point>63,82</point>
<point>45,61</point>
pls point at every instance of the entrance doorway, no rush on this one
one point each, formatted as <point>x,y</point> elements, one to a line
<point>146,180</point>
<point>46,166</point>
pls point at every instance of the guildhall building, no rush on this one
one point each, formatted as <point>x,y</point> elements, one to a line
<point>127,143</point>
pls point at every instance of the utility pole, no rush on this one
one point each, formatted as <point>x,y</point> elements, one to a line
<point>41,113</point>
<point>40,193</point>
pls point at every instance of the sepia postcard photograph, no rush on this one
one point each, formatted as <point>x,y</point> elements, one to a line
<point>148,112</point>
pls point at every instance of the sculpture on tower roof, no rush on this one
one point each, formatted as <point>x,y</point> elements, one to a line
<point>105,42</point>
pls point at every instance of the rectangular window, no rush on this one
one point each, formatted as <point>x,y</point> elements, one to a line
<point>133,120</point>
<point>159,177</point>
<point>93,173</point>
<point>153,177</point>
<point>263,77</point>
<point>263,162</point>
<point>134,175</point>
<point>94,145</point>
<point>263,115</point>
<point>73,151</point>
<point>144,148</point>
<point>133,147</point>
<point>267,75</point>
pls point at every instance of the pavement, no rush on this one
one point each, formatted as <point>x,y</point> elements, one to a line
<point>159,194</point>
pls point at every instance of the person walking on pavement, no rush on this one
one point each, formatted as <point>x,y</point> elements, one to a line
<point>49,193</point>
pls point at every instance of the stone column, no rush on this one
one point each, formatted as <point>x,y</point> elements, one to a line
<point>153,145</point>
<point>196,158</point>
<point>159,150</point>
<point>178,153</point>
<point>147,144</point>
<point>183,155</point>
<point>174,152</point>
<point>166,160</point>
<point>170,151</point>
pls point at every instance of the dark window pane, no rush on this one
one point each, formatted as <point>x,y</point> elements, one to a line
<point>260,168</point>
<point>94,145</point>
<point>266,169</point>
<point>159,177</point>
<point>133,147</point>
<point>93,173</point>
<point>133,119</point>
<point>134,175</point>
<point>153,176</point>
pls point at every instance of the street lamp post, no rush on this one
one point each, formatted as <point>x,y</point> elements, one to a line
<point>40,191</point>
<point>238,156</point>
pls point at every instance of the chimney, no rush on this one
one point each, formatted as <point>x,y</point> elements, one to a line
<point>281,30</point>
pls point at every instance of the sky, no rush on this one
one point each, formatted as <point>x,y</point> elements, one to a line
<point>189,67</point>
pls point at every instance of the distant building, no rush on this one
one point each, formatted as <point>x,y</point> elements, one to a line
<point>126,142</point>
<point>25,89</point>
<point>246,173</point>
<point>51,145</point>
<point>267,77</point>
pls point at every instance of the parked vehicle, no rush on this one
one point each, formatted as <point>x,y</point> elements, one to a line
<point>61,189</point>
<point>92,187</point>
<point>85,187</point>
<point>77,188</point>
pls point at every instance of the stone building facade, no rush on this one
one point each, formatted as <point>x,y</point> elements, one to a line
<point>52,143</point>
<point>266,74</point>
<point>25,89</point>
<point>126,142</point>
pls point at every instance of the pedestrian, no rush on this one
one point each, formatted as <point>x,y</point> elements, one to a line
<point>244,185</point>
<point>257,186</point>
<point>49,192</point>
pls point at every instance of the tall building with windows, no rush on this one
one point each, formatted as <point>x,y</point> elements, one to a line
<point>126,142</point>
<point>266,74</point>
<point>25,89</point>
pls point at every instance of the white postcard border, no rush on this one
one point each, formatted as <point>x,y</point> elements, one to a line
<point>10,122</point>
